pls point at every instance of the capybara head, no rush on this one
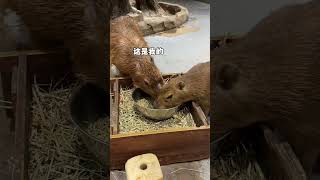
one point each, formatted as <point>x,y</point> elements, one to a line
<point>147,76</point>
<point>173,93</point>
<point>235,102</point>
<point>272,75</point>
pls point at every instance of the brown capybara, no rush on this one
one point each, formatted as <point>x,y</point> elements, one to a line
<point>194,85</point>
<point>272,76</point>
<point>125,36</point>
<point>81,26</point>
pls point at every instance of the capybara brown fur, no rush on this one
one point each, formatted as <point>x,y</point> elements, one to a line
<point>80,25</point>
<point>272,76</point>
<point>194,85</point>
<point>125,36</point>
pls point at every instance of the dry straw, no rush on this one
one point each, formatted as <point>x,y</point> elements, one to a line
<point>132,121</point>
<point>56,152</point>
<point>99,130</point>
<point>240,164</point>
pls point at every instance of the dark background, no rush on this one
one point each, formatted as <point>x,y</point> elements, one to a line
<point>238,17</point>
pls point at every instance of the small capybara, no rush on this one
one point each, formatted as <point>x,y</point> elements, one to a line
<point>81,26</point>
<point>125,36</point>
<point>194,85</point>
<point>272,76</point>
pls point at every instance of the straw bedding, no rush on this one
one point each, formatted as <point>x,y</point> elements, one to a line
<point>56,152</point>
<point>240,164</point>
<point>99,130</point>
<point>132,121</point>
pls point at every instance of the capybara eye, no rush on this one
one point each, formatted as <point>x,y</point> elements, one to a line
<point>169,97</point>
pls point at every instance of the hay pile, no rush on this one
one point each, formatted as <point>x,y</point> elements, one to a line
<point>99,130</point>
<point>239,164</point>
<point>132,121</point>
<point>145,103</point>
<point>56,152</point>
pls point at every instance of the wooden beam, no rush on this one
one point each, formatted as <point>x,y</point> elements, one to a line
<point>115,108</point>
<point>22,123</point>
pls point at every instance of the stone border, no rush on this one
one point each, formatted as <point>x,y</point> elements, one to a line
<point>151,25</point>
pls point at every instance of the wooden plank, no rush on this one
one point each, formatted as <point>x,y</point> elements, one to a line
<point>160,131</point>
<point>115,109</point>
<point>277,157</point>
<point>21,124</point>
<point>170,145</point>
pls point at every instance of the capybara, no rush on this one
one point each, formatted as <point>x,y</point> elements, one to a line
<point>81,26</point>
<point>194,85</point>
<point>125,36</point>
<point>272,76</point>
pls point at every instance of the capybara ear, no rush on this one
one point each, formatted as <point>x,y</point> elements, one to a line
<point>181,85</point>
<point>227,76</point>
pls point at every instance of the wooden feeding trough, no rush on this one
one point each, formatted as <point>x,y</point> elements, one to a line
<point>172,145</point>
